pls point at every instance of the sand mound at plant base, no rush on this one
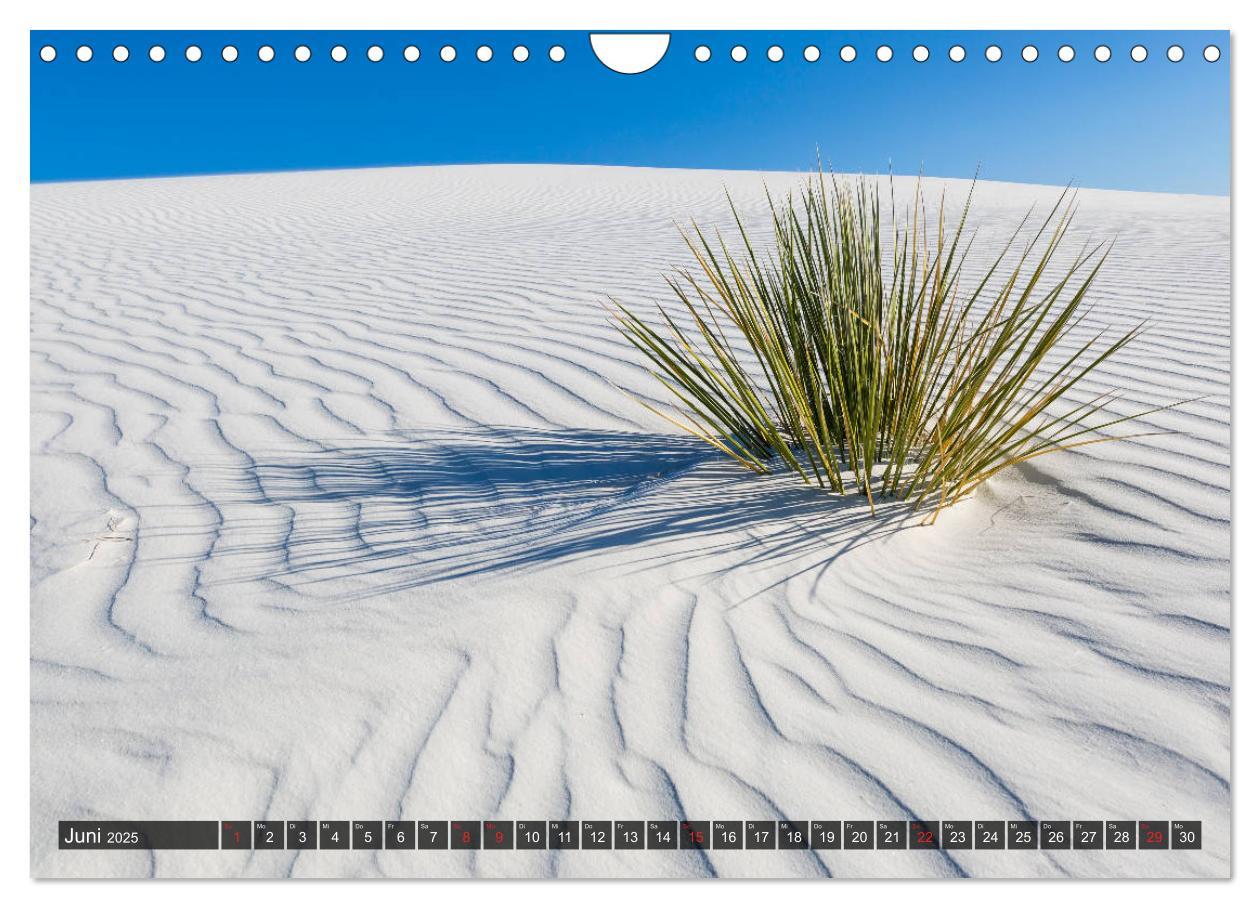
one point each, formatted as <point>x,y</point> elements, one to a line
<point>338,513</point>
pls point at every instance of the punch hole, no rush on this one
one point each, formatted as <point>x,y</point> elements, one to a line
<point>811,54</point>
<point>628,54</point>
<point>83,54</point>
<point>339,54</point>
<point>1175,54</point>
<point>48,53</point>
<point>157,53</point>
<point>920,54</point>
<point>121,54</point>
<point>266,53</point>
<point>1102,53</point>
<point>739,53</point>
<point>774,53</point>
<point>958,53</point>
<point>411,53</point>
<point>556,54</point>
<point>883,53</point>
<point>993,53</point>
<point>520,53</point>
<point>485,53</point>
<point>376,53</point>
<point>848,53</point>
<point>192,53</point>
<point>447,53</point>
<point>229,54</point>
<point>1211,53</point>
<point>1138,53</point>
<point>1029,53</point>
<point>301,53</point>
<point>1067,53</point>
<point>703,54</point>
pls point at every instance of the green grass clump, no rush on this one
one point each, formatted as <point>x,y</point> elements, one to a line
<point>880,373</point>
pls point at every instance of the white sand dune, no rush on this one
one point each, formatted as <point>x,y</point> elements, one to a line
<point>338,512</point>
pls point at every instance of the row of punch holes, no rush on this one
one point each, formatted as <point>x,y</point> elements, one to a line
<point>703,53</point>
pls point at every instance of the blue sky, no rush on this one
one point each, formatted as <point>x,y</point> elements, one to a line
<point>1154,125</point>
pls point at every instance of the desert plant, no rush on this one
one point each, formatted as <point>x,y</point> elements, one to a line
<point>885,375</point>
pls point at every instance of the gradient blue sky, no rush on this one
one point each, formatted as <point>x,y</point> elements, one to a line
<point>1155,125</point>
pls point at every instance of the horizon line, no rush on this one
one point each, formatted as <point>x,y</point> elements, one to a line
<point>976,175</point>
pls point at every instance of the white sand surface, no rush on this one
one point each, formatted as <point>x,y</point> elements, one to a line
<point>338,513</point>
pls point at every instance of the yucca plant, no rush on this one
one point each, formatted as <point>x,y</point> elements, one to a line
<point>877,369</point>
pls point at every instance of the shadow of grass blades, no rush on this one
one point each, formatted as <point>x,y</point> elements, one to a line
<point>896,381</point>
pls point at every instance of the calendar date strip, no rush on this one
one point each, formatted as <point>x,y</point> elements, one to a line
<point>631,835</point>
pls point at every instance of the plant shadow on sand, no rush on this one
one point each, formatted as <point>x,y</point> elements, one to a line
<point>454,504</point>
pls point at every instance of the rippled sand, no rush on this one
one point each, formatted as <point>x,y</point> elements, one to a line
<point>339,512</point>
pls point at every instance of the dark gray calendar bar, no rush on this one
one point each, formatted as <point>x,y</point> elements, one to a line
<point>635,835</point>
